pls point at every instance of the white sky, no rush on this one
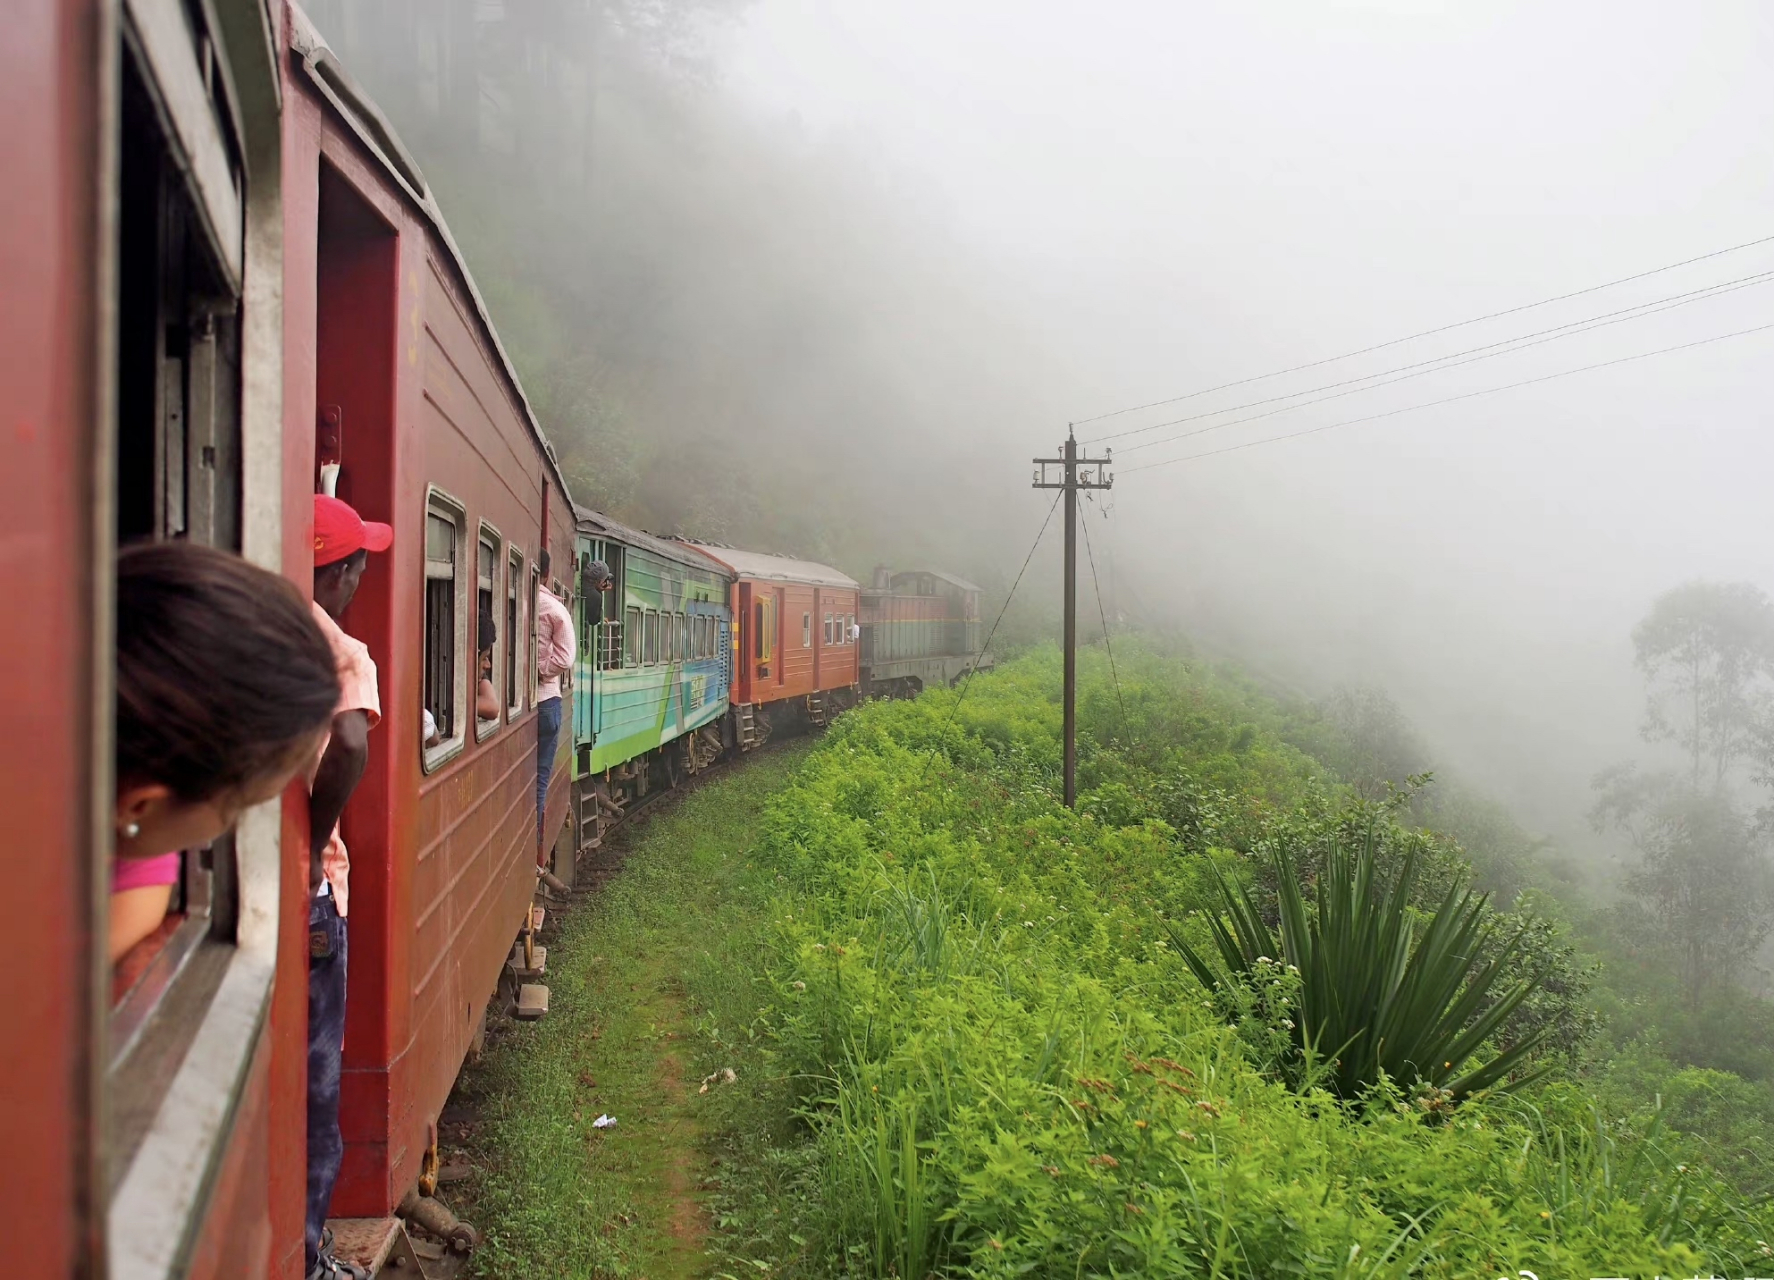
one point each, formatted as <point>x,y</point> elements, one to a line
<point>1181,194</point>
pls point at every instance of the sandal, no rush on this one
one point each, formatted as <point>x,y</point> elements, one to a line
<point>327,1267</point>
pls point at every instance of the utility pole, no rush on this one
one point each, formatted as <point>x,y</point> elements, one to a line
<point>1077,471</point>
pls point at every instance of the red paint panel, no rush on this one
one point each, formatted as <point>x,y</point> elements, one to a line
<point>49,246</point>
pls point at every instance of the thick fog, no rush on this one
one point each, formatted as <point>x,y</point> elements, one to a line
<point>1193,194</point>
<point>875,257</point>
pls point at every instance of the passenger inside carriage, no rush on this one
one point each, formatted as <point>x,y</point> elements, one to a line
<point>486,698</point>
<point>225,687</point>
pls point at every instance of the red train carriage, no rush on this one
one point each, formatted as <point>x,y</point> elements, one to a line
<point>226,284</point>
<point>794,640</point>
<point>394,376</point>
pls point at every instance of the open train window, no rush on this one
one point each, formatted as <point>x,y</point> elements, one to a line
<point>487,660</point>
<point>445,627</point>
<point>828,629</point>
<point>178,190</point>
<point>514,610</point>
<point>766,634</point>
<point>806,631</point>
<point>650,637</point>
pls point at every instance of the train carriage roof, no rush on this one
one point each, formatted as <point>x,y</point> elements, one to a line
<point>595,524</point>
<point>959,583</point>
<point>769,568</point>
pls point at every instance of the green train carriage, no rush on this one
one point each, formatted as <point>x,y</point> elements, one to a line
<point>650,682</point>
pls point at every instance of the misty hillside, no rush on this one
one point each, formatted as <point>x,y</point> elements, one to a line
<point>728,334</point>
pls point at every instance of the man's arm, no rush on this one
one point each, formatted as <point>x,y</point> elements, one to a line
<point>341,768</point>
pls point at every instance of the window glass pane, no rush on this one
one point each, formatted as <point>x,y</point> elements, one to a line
<point>806,631</point>
<point>440,657</point>
<point>631,626</point>
<point>442,623</point>
<point>440,540</point>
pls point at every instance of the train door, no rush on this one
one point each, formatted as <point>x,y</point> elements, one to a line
<point>356,358</point>
<point>766,618</point>
<point>602,620</point>
<point>744,630</point>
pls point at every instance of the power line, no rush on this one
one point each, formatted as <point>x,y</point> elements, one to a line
<point>1427,333</point>
<point>1410,408</point>
<point>1453,360</point>
<point>986,647</point>
<point>1108,646</point>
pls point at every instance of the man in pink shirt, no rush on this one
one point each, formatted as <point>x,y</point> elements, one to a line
<point>342,543</point>
<point>556,648</point>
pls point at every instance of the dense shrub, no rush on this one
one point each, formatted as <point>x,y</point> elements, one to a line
<point>1009,1071</point>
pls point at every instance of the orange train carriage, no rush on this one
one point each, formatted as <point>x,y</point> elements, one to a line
<point>794,641</point>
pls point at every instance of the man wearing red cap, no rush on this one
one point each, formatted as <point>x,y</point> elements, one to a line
<point>343,541</point>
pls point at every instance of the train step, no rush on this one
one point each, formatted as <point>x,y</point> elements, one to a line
<point>532,1002</point>
<point>528,968</point>
<point>379,1245</point>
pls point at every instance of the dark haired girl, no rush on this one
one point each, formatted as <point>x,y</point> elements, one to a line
<point>225,687</point>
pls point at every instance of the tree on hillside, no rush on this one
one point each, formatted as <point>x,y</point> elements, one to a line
<point>1707,651</point>
<point>1701,886</point>
<point>1702,889</point>
<point>1378,749</point>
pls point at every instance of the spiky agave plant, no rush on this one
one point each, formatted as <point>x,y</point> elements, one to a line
<point>1384,989</point>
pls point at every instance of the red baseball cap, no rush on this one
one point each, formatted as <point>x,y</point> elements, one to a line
<point>339,531</point>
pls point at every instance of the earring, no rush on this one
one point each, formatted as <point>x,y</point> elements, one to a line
<point>131,830</point>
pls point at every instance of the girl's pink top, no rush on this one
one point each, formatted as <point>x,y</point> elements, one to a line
<point>139,873</point>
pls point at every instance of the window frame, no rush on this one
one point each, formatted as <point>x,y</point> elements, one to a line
<point>534,676</point>
<point>515,560</point>
<point>681,624</point>
<point>445,505</point>
<point>806,630</point>
<point>185,1111</point>
<point>649,637</point>
<point>632,636</point>
<point>486,534</point>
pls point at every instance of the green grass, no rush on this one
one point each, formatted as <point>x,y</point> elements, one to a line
<point>651,984</point>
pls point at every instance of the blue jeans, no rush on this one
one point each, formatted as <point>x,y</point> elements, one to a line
<point>326,1061</point>
<point>548,736</point>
